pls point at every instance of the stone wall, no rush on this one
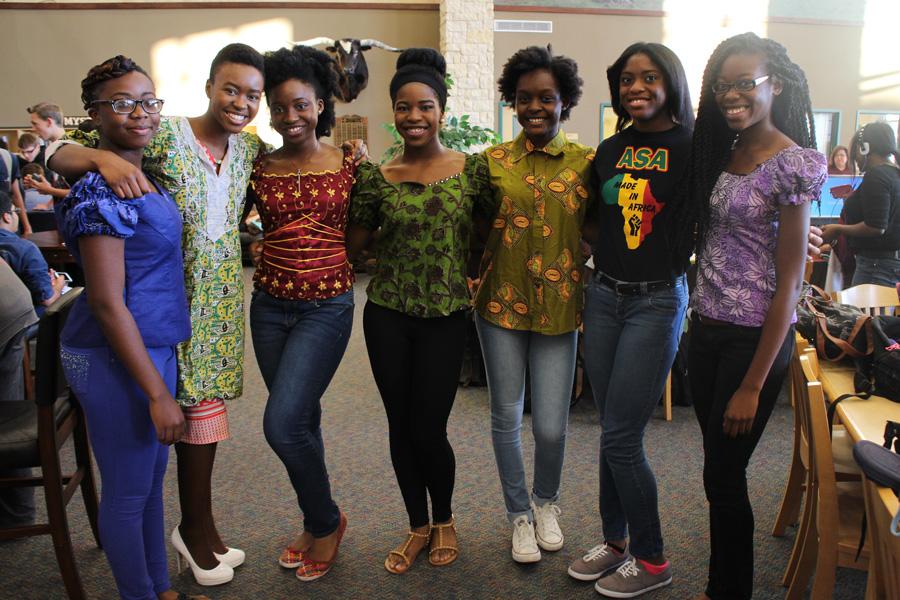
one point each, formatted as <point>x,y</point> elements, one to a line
<point>467,42</point>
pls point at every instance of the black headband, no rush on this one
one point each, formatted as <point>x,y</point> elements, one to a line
<point>419,74</point>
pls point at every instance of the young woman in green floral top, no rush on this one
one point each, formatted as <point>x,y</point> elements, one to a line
<point>423,202</point>
<point>530,298</point>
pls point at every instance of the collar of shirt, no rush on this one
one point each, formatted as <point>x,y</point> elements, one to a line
<point>522,146</point>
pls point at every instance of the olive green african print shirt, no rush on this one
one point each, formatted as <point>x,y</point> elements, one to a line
<point>423,243</point>
<point>532,265</point>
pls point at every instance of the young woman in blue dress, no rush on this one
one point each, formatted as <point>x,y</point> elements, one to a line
<point>118,345</point>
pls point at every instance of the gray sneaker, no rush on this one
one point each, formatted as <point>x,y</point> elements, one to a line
<point>631,579</point>
<point>598,561</point>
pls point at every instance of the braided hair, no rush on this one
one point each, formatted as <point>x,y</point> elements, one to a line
<point>111,68</point>
<point>311,66</point>
<point>713,139</point>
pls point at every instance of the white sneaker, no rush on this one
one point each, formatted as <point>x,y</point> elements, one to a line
<point>524,546</point>
<point>546,527</point>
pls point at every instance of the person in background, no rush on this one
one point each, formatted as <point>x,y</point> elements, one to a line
<point>29,146</point>
<point>839,162</point>
<point>301,313</point>
<point>34,180</point>
<point>634,308</point>
<point>118,345</point>
<point>871,214</point>
<point>205,162</point>
<point>423,204</point>
<point>35,199</point>
<point>9,184</point>
<point>47,122</point>
<point>24,257</point>
<point>752,174</point>
<point>530,295</point>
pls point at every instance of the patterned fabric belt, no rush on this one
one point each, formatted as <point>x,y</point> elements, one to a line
<point>636,288</point>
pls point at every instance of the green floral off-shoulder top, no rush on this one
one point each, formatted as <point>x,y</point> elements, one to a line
<point>424,240</point>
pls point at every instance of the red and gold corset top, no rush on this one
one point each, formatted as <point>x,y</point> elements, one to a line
<point>304,217</point>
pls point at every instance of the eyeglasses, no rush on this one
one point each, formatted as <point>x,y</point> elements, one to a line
<point>741,85</point>
<point>126,106</point>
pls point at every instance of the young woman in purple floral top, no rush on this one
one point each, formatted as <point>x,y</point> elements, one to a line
<point>752,174</point>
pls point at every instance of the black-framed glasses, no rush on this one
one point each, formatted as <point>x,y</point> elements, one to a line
<point>126,106</point>
<point>741,85</point>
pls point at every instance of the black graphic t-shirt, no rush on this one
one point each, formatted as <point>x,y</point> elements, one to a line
<point>634,176</point>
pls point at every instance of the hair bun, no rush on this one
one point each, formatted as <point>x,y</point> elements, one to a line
<point>424,57</point>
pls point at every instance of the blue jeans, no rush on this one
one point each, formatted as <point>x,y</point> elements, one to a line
<point>132,464</point>
<point>551,362</point>
<point>880,271</point>
<point>299,345</point>
<point>629,345</point>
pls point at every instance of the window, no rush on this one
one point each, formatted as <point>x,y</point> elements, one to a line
<point>828,130</point>
<point>507,124</point>
<point>864,117</point>
<point>608,119</point>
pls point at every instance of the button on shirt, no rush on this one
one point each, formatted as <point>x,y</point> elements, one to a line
<point>531,273</point>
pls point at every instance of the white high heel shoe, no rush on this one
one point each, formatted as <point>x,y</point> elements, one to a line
<point>233,558</point>
<point>221,573</point>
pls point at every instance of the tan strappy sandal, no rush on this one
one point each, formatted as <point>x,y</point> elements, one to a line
<point>404,566</point>
<point>437,543</point>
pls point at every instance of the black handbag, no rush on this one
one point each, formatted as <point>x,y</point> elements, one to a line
<point>836,330</point>
<point>881,465</point>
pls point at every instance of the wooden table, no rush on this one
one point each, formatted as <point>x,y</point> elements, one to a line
<point>53,248</point>
<point>864,420</point>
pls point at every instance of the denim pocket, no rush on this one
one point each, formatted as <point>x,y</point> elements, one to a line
<point>76,367</point>
<point>667,302</point>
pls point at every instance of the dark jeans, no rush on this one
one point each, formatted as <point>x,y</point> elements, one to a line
<point>879,271</point>
<point>416,363</point>
<point>299,345</point>
<point>718,359</point>
<point>629,345</point>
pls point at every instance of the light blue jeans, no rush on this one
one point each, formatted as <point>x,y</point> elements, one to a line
<point>629,345</point>
<point>551,362</point>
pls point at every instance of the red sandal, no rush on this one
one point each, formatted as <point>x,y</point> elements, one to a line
<point>310,570</point>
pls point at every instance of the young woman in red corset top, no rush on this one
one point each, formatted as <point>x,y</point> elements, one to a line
<point>302,307</point>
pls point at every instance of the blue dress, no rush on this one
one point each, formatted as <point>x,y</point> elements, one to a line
<point>132,462</point>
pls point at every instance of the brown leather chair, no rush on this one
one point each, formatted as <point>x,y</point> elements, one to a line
<point>31,435</point>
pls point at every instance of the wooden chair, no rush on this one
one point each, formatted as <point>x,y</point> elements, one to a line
<point>789,511</point>
<point>31,434</point>
<point>831,526</point>
<point>873,299</point>
<point>884,576</point>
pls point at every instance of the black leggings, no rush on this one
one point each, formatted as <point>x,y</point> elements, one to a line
<point>718,359</point>
<point>416,363</point>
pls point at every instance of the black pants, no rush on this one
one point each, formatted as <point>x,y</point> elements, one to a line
<point>718,359</point>
<point>416,363</point>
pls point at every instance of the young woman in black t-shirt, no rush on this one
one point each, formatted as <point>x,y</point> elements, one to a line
<point>634,308</point>
<point>872,213</point>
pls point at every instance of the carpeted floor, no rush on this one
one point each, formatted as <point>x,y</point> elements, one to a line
<point>257,511</point>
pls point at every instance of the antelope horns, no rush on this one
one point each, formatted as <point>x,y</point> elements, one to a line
<point>379,44</point>
<point>317,41</point>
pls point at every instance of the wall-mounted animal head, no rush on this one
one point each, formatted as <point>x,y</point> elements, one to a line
<point>349,62</point>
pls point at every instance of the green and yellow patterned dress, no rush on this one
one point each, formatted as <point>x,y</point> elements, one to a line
<point>210,364</point>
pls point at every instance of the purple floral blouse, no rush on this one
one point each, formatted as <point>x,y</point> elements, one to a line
<point>736,272</point>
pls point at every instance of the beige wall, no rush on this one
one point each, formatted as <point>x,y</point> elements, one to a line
<point>47,52</point>
<point>830,55</point>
